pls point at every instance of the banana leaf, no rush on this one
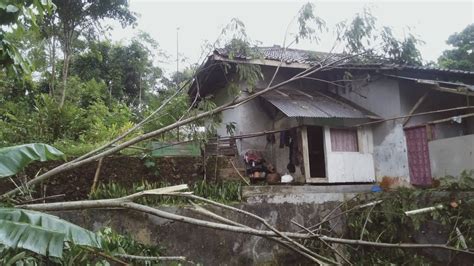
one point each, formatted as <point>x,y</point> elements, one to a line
<point>14,159</point>
<point>41,233</point>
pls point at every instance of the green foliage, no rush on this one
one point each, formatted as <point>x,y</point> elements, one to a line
<point>250,74</point>
<point>14,159</point>
<point>363,36</point>
<point>358,33</point>
<point>127,71</point>
<point>54,122</point>
<point>41,233</point>
<point>401,51</point>
<point>111,243</point>
<point>230,128</point>
<point>224,192</point>
<point>462,54</point>
<point>465,182</point>
<point>45,121</point>
<point>387,222</point>
<point>309,24</point>
<point>15,17</point>
<point>115,243</point>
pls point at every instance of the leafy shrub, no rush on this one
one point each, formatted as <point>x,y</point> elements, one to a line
<point>228,191</point>
<point>386,222</point>
<point>112,243</point>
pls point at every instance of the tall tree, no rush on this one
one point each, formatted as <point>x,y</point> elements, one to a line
<point>127,70</point>
<point>462,54</point>
<point>74,18</point>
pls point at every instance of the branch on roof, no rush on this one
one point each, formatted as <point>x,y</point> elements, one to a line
<point>457,87</point>
<point>417,114</point>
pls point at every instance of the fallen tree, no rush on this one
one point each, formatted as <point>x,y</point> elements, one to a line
<point>291,240</point>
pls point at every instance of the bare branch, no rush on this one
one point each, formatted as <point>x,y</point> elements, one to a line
<point>320,259</point>
<point>391,245</point>
<point>123,203</point>
<point>424,210</point>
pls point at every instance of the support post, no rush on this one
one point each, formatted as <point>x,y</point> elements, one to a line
<point>304,136</point>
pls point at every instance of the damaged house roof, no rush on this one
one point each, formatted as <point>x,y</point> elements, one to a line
<point>212,73</point>
<point>311,58</point>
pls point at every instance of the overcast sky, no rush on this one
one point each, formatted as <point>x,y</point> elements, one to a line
<point>266,21</point>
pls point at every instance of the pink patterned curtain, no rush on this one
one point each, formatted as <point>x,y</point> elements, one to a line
<point>344,140</point>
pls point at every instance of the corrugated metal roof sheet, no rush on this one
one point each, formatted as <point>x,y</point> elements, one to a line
<point>312,104</point>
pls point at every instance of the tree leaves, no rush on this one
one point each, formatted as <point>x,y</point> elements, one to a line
<point>41,233</point>
<point>462,56</point>
<point>15,18</point>
<point>14,159</point>
<point>309,23</point>
<point>363,35</point>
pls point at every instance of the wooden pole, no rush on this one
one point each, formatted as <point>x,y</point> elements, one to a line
<point>417,114</point>
<point>97,174</point>
<point>238,172</point>
<point>417,104</point>
<point>450,118</point>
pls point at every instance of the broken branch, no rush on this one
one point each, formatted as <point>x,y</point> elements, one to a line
<point>424,210</point>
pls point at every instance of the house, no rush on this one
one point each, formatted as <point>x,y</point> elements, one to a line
<point>350,122</point>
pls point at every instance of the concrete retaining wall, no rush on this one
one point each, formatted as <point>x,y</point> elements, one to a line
<point>210,246</point>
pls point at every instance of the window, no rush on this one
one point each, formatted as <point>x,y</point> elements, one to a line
<point>344,140</point>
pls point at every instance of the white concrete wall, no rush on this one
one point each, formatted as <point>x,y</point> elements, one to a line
<point>350,166</point>
<point>451,156</point>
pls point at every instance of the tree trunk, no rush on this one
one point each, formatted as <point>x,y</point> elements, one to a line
<point>65,74</point>
<point>53,66</point>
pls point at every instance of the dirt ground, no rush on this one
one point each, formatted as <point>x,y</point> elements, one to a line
<point>76,183</point>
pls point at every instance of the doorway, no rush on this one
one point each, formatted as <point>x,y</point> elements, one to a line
<point>317,160</point>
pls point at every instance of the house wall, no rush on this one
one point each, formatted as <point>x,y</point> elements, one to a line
<point>388,98</point>
<point>249,118</point>
<point>450,156</point>
<point>409,95</point>
<point>350,166</point>
<point>450,151</point>
<point>382,97</point>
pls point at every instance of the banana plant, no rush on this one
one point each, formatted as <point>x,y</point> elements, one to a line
<point>16,158</point>
<point>38,232</point>
<point>41,233</point>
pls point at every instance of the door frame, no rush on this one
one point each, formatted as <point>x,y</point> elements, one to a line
<point>307,169</point>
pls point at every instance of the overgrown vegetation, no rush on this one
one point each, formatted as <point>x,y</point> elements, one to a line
<point>387,222</point>
<point>112,243</point>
